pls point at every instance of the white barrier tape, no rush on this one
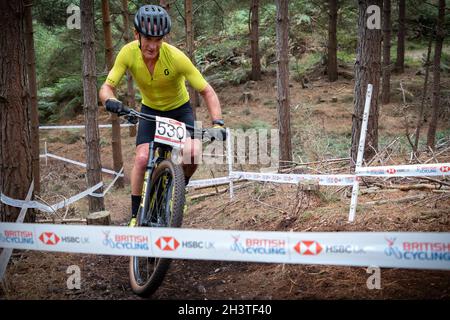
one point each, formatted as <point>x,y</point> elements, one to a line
<point>332,180</point>
<point>82,127</point>
<point>325,180</point>
<point>22,203</point>
<point>416,170</point>
<point>7,252</point>
<point>79,163</point>
<point>100,195</point>
<point>383,249</point>
<point>43,207</point>
<point>208,182</point>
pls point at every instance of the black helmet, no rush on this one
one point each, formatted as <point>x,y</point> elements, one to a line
<point>152,21</point>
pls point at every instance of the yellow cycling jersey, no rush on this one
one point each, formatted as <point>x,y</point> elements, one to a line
<point>165,89</point>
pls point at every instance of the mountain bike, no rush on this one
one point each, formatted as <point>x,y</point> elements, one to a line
<point>163,192</point>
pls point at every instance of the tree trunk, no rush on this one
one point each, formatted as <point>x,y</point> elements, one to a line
<point>126,38</point>
<point>101,218</point>
<point>386,82</point>
<point>190,46</point>
<point>130,88</point>
<point>254,41</point>
<point>284,122</point>
<point>400,63</point>
<point>34,114</point>
<point>94,167</point>
<point>440,34</point>
<point>166,5</point>
<point>15,133</point>
<point>424,96</point>
<point>332,70</point>
<point>367,70</point>
<point>116,141</point>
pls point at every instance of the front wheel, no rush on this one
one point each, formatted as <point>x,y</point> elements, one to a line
<point>166,203</point>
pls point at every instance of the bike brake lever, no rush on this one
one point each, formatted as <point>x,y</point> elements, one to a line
<point>131,119</point>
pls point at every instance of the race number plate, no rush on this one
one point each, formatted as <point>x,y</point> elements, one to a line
<point>170,132</point>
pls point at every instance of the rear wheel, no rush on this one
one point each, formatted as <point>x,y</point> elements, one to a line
<point>166,203</point>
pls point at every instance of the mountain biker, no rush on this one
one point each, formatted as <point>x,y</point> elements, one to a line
<point>159,70</point>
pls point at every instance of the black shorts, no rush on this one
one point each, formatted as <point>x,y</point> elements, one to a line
<point>146,129</point>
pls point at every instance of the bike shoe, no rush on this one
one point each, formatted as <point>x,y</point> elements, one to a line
<point>133,222</point>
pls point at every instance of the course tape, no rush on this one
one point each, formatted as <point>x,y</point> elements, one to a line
<point>322,179</point>
<point>384,249</point>
<point>81,164</point>
<point>43,207</point>
<point>415,170</point>
<point>208,182</point>
<point>82,126</point>
<point>100,195</point>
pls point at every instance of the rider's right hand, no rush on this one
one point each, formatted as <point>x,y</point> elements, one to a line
<point>114,105</point>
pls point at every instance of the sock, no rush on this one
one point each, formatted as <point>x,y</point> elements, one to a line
<point>186,180</point>
<point>135,203</point>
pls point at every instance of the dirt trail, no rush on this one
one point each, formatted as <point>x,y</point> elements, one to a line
<point>40,275</point>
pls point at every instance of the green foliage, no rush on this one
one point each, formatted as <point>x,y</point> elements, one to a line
<point>345,57</point>
<point>52,13</point>
<point>237,23</point>
<point>67,88</point>
<point>307,63</point>
<point>255,124</point>
<point>46,105</point>
<point>444,134</point>
<point>445,62</point>
<point>62,100</point>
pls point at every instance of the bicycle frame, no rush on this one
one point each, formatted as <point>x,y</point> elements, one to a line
<point>151,165</point>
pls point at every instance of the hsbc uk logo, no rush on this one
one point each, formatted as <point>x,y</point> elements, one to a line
<point>314,248</point>
<point>51,239</point>
<point>172,244</point>
<point>308,248</point>
<point>167,243</point>
<point>445,169</point>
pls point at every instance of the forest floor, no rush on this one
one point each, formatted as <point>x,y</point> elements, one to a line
<point>322,130</point>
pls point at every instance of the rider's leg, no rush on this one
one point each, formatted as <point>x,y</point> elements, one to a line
<point>137,176</point>
<point>191,157</point>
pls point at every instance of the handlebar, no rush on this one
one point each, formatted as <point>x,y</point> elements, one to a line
<point>212,134</point>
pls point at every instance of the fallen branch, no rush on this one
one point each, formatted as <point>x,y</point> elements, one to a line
<point>372,191</point>
<point>380,153</point>
<point>209,194</point>
<point>401,200</point>
<point>437,154</point>
<point>441,191</point>
<point>420,186</point>
<point>437,181</point>
<point>219,184</point>
<point>301,165</point>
